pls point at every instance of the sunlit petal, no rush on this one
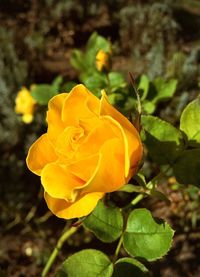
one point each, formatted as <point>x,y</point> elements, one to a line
<point>59,182</point>
<point>55,123</point>
<point>80,103</point>
<point>40,153</point>
<point>132,139</point>
<point>82,207</point>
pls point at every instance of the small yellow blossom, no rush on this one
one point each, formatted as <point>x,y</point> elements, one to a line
<point>102,60</point>
<point>25,105</point>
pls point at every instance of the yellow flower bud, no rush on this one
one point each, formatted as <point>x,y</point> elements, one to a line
<point>102,60</point>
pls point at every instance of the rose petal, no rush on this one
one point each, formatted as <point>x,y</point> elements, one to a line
<point>59,182</point>
<point>133,143</point>
<point>108,129</point>
<point>107,109</point>
<point>40,153</point>
<point>79,102</point>
<point>88,124</point>
<point>67,210</point>
<point>104,131</point>
<point>66,144</point>
<point>55,123</point>
<point>85,169</point>
<point>110,174</point>
<point>135,151</point>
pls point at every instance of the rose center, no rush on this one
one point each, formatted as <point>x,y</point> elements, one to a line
<point>76,135</point>
<point>68,141</point>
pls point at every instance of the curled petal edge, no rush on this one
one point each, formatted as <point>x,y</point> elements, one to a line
<point>82,207</point>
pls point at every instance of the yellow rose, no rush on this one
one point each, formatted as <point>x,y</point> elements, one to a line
<point>25,105</point>
<point>102,60</point>
<point>89,149</point>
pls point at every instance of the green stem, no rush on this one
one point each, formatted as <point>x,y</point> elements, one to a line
<point>150,185</point>
<point>59,245</point>
<point>137,199</point>
<point>153,183</point>
<point>137,120</point>
<point>118,247</point>
<point>139,105</point>
<point>108,84</point>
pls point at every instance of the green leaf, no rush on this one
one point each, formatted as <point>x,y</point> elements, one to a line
<point>116,81</point>
<point>148,106</point>
<point>146,237</point>
<point>97,42</point>
<point>43,93</point>
<point>164,89</point>
<point>143,85</point>
<point>140,179</point>
<point>86,263</point>
<point>129,267</point>
<point>115,97</point>
<point>95,82</point>
<point>190,122</point>
<point>129,188</point>
<point>94,44</point>
<point>77,60</point>
<point>164,142</point>
<point>105,222</point>
<point>187,167</point>
<point>57,82</point>
<point>67,87</point>
<point>158,194</point>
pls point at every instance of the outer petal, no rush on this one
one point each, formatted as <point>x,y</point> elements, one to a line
<point>59,182</point>
<point>82,207</point>
<point>80,103</point>
<point>40,153</point>
<point>132,139</point>
<point>135,151</point>
<point>107,109</point>
<point>110,175</point>
<point>55,123</point>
